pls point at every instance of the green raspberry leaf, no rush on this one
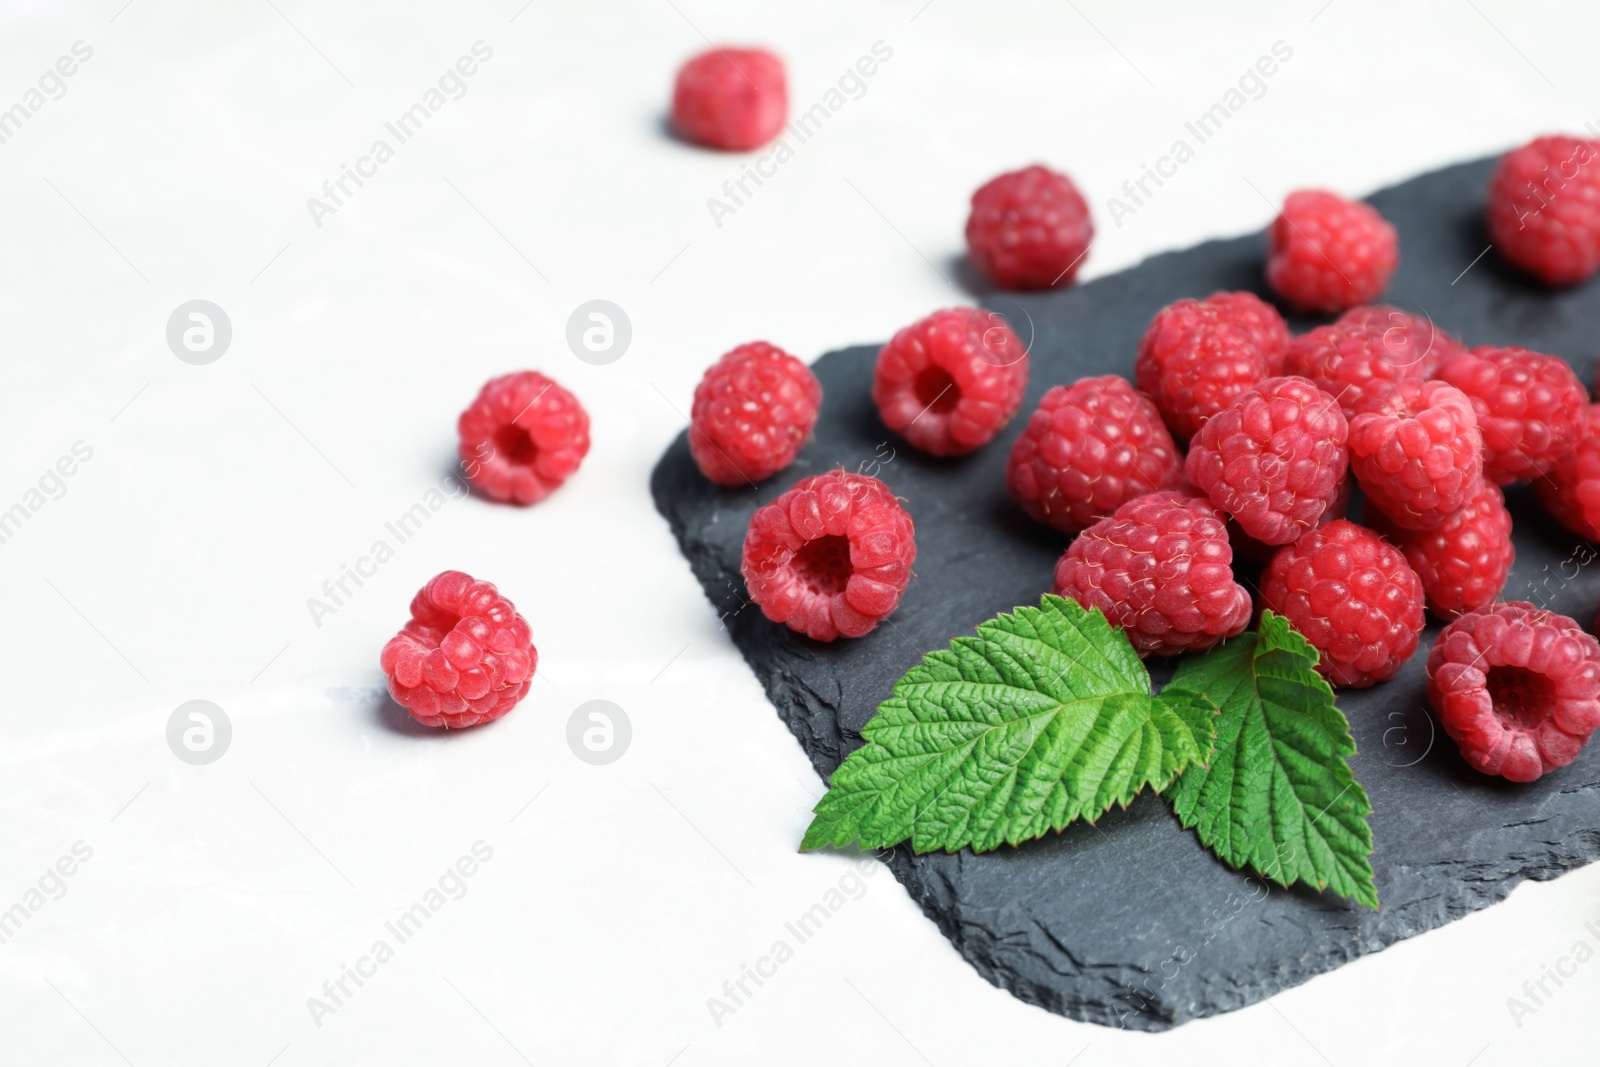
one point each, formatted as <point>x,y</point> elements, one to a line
<point>1277,795</point>
<point>1042,718</point>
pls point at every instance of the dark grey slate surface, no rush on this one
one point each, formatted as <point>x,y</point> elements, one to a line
<point>1131,922</point>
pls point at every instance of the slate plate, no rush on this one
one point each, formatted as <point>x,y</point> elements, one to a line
<point>1132,922</point>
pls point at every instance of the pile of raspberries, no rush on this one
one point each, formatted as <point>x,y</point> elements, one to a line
<point>1233,439</point>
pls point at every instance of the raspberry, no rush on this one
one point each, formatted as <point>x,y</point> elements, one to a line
<point>1570,492</point>
<point>1517,688</point>
<point>1197,355</point>
<point>1029,229</point>
<point>465,657</point>
<point>1530,408</point>
<point>1248,548</point>
<point>1326,253</point>
<point>753,410</point>
<point>1353,596</point>
<point>1348,359</point>
<point>1544,208</point>
<point>949,382</point>
<point>830,557</point>
<point>1160,568</point>
<point>1409,338</point>
<point>522,437</point>
<point>1462,563</point>
<point>1273,459</point>
<point>1416,452</point>
<point>1089,448</point>
<point>734,99</point>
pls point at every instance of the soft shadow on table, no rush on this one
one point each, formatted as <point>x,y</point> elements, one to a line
<point>398,720</point>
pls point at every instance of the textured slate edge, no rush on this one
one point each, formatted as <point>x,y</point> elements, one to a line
<point>1100,992</point>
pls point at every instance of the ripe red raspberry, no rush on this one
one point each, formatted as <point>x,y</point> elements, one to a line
<point>1029,229</point>
<point>522,437</point>
<point>1347,360</point>
<point>1248,548</point>
<point>1089,448</point>
<point>1273,459</point>
<point>1407,338</point>
<point>753,410</point>
<point>465,657</point>
<point>949,382</point>
<point>1462,563</point>
<point>1159,568</point>
<point>1416,452</point>
<point>830,557</point>
<point>1544,208</point>
<point>1517,687</point>
<point>1353,596</point>
<point>1570,491</point>
<point>1197,355</point>
<point>1530,408</point>
<point>734,99</point>
<point>1326,253</point>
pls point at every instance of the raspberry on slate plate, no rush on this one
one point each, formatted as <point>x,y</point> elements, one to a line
<point>1087,449</point>
<point>734,99</point>
<point>1409,339</point>
<point>753,410</point>
<point>1463,562</point>
<point>948,383</point>
<point>464,658</point>
<point>1197,355</point>
<point>1160,569</point>
<point>1354,597</point>
<point>1517,687</point>
<point>522,437</point>
<point>1326,253</point>
<point>1029,229</point>
<point>830,557</point>
<point>1416,452</point>
<point>1531,408</point>
<point>1348,360</point>
<point>1544,208</point>
<point>1570,491</point>
<point>1274,459</point>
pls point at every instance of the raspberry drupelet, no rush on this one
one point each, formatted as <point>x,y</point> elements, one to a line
<point>1349,360</point>
<point>1463,562</point>
<point>1087,449</point>
<point>830,557</point>
<point>465,657</point>
<point>1517,687</point>
<point>1543,208</point>
<point>1531,408</point>
<point>753,410</point>
<point>733,99</point>
<point>1416,452</point>
<point>1570,491</point>
<point>948,383</point>
<point>1274,459</point>
<point>1029,229</point>
<point>1408,338</point>
<point>1353,596</point>
<point>1160,569</point>
<point>1326,253</point>
<point>1197,355</point>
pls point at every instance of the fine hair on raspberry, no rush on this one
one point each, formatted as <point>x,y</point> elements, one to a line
<point>1517,688</point>
<point>1196,356</point>
<point>1531,407</point>
<point>948,383</point>
<point>465,657</point>
<point>831,557</point>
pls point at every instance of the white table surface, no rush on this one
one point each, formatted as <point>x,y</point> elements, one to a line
<point>218,498</point>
